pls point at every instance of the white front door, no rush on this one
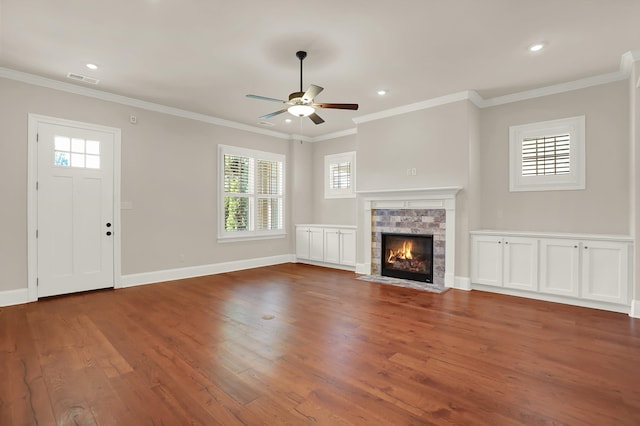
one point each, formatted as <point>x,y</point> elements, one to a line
<point>75,209</point>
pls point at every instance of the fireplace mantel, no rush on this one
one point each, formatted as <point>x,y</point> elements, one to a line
<point>412,198</point>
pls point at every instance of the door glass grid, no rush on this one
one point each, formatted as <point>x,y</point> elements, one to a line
<point>76,152</point>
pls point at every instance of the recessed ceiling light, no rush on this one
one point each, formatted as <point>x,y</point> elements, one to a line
<point>536,47</point>
<point>382,92</point>
<point>288,120</point>
<point>92,66</point>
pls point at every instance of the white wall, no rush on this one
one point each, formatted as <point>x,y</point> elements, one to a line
<point>169,174</point>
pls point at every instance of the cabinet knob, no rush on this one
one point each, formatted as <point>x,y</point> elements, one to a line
<point>499,242</point>
<point>585,247</point>
<point>506,242</point>
<point>575,246</point>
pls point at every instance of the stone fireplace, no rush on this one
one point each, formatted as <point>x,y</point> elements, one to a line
<point>428,212</point>
<point>419,222</point>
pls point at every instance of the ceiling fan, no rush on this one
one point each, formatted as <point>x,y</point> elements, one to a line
<point>301,103</point>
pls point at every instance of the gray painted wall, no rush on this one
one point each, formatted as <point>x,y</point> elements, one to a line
<point>603,207</point>
<point>332,211</point>
<point>169,174</point>
<point>437,142</point>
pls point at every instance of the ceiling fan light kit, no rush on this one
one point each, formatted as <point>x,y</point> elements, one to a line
<point>301,110</point>
<point>302,104</point>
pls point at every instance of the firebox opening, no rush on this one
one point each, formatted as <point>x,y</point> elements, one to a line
<point>407,256</point>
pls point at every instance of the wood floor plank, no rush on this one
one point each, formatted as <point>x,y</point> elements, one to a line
<point>300,344</point>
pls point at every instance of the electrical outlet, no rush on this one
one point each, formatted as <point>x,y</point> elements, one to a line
<point>133,119</point>
<point>414,171</point>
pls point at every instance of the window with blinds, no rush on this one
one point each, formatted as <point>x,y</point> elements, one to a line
<point>340,175</point>
<point>547,156</point>
<point>252,193</point>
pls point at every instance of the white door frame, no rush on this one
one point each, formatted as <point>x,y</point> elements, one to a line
<point>32,196</point>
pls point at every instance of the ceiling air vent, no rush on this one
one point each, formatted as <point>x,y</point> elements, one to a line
<point>82,78</point>
<point>266,123</point>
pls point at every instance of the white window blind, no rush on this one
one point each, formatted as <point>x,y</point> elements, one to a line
<point>340,175</point>
<point>252,193</point>
<point>269,195</point>
<point>238,177</point>
<point>547,155</point>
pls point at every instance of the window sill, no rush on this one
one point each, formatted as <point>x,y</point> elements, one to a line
<point>253,237</point>
<point>330,196</point>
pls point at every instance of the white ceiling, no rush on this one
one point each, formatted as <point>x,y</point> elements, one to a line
<point>204,56</point>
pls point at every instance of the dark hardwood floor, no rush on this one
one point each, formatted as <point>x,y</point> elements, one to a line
<point>298,344</point>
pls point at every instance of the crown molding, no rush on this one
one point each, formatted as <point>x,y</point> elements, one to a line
<point>137,103</point>
<point>555,89</point>
<point>626,64</point>
<point>429,103</point>
<point>627,60</point>
<point>335,135</point>
<point>302,138</point>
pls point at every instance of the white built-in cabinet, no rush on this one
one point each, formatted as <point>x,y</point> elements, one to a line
<point>505,262</point>
<point>578,268</point>
<point>331,244</point>
<point>309,243</point>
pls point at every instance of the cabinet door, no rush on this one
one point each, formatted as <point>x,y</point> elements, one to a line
<point>348,247</point>
<point>605,271</point>
<point>559,267</point>
<point>520,268</point>
<point>302,242</point>
<point>332,245</point>
<point>486,260</point>
<point>316,244</point>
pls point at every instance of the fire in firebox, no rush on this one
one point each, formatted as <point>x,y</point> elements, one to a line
<point>408,256</point>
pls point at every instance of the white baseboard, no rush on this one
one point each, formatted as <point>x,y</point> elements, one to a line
<point>201,270</point>
<point>593,304</point>
<point>14,297</point>
<point>327,265</point>
<point>462,283</point>
<point>363,268</point>
<point>634,312</point>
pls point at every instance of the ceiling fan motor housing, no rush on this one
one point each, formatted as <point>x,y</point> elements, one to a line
<point>296,97</point>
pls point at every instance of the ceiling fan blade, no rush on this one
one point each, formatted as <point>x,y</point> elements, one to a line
<point>264,98</point>
<point>337,106</point>
<point>316,118</point>
<point>311,93</point>
<point>273,114</point>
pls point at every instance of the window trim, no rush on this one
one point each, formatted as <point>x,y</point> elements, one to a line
<point>574,180</point>
<point>226,236</point>
<point>343,157</point>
